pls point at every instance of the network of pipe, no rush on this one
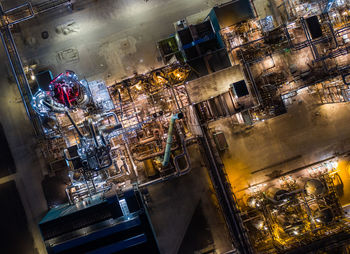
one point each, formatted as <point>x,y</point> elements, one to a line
<point>133,132</point>
<point>294,210</point>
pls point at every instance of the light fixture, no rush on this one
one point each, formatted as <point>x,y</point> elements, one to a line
<point>138,86</point>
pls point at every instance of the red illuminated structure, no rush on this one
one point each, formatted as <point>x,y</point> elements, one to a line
<point>65,89</point>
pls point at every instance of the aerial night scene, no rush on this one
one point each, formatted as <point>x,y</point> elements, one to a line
<point>175,126</point>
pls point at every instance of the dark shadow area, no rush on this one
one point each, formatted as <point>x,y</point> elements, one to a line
<point>198,236</point>
<point>54,186</point>
<point>7,164</point>
<point>54,190</point>
<point>15,237</point>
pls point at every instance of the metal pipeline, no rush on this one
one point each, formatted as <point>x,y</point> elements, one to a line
<point>131,159</point>
<point>19,62</point>
<point>158,180</point>
<point>117,169</point>
<point>109,163</point>
<point>83,191</point>
<point>74,124</point>
<point>112,114</point>
<point>92,131</point>
<point>106,157</point>
<point>152,155</point>
<point>108,129</point>
<point>178,172</point>
<point>8,50</point>
<point>85,99</point>
<point>126,167</point>
<point>147,140</point>
<point>156,132</point>
<point>343,29</point>
<point>119,174</point>
<point>111,178</point>
<point>53,107</point>
<point>333,34</point>
<point>169,141</point>
<point>184,154</point>
<point>291,45</point>
<point>308,38</point>
<point>68,196</point>
<point>286,195</point>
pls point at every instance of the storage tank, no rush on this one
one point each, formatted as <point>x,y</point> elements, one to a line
<point>251,202</point>
<point>323,215</point>
<point>258,224</point>
<point>150,171</point>
<point>315,187</point>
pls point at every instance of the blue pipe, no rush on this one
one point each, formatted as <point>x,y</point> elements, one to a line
<point>14,74</point>
<point>169,140</point>
<point>31,13</point>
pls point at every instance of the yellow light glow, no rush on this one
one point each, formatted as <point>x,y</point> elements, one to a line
<point>138,87</point>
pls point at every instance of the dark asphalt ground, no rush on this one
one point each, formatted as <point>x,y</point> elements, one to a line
<point>15,236</point>
<point>7,164</point>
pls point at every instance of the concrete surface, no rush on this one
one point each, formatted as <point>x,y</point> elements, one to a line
<point>29,167</point>
<point>174,203</point>
<point>214,84</point>
<point>113,38</point>
<point>13,222</point>
<point>307,133</point>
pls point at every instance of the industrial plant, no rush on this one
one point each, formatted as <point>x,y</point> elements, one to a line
<point>156,126</point>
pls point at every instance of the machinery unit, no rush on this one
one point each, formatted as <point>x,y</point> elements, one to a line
<point>115,221</point>
<point>295,212</point>
<point>114,141</point>
<point>135,130</point>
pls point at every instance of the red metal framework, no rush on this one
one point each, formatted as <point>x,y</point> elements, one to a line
<point>65,89</point>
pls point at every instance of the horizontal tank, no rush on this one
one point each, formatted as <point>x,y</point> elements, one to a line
<point>276,194</point>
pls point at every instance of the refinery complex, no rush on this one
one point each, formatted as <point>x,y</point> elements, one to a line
<point>169,127</point>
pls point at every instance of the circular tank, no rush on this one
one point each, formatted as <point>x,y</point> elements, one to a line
<point>67,90</point>
<point>323,215</point>
<point>258,223</point>
<point>251,202</point>
<point>315,187</point>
